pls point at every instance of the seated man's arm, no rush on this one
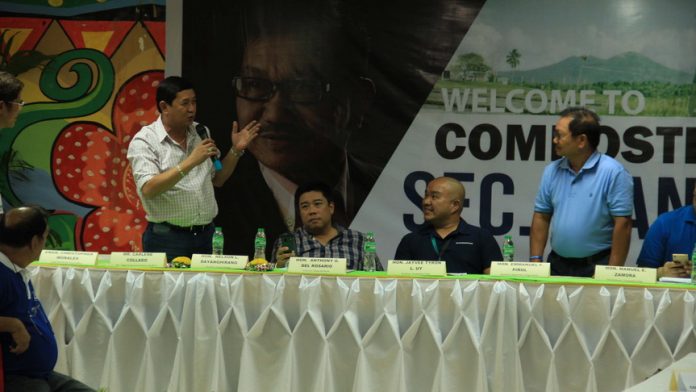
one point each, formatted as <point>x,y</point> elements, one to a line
<point>491,252</point>
<point>620,240</point>
<point>654,246</point>
<point>403,251</point>
<point>539,233</point>
<point>18,331</point>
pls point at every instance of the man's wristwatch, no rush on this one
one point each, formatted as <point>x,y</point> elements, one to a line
<point>236,153</point>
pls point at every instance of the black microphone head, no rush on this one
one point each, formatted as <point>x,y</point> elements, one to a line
<point>202,131</point>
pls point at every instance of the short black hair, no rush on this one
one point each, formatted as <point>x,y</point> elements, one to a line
<point>583,122</point>
<point>20,225</point>
<point>169,88</point>
<point>10,87</point>
<point>315,186</point>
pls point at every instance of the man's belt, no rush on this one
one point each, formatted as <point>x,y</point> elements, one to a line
<point>191,229</point>
<point>592,259</point>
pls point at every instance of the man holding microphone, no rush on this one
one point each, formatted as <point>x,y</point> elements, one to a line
<point>173,166</point>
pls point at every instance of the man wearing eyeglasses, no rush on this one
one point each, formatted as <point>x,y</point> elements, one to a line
<point>585,198</point>
<point>29,347</point>
<point>10,102</point>
<point>306,89</point>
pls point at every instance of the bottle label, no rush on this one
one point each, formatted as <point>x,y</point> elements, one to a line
<point>370,247</point>
<point>508,252</point>
<point>260,242</point>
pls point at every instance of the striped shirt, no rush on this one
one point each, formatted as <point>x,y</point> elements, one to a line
<point>348,244</point>
<point>191,201</point>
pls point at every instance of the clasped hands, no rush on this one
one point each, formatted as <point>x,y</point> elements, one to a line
<point>282,256</point>
<point>675,269</point>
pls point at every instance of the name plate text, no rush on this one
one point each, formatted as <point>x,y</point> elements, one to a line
<point>515,268</point>
<point>139,259</point>
<point>417,267</point>
<point>317,265</point>
<point>625,274</point>
<point>68,257</point>
<point>219,261</point>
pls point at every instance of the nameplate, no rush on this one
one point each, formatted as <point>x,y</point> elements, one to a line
<point>416,267</point>
<point>68,257</point>
<point>683,380</point>
<point>517,268</point>
<point>139,259</point>
<point>625,274</point>
<point>219,261</point>
<point>317,265</point>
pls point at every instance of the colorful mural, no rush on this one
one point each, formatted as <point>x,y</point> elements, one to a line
<point>89,87</point>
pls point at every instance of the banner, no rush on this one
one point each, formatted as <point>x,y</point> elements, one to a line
<point>468,89</point>
<point>89,83</point>
<point>342,82</point>
<point>489,118</point>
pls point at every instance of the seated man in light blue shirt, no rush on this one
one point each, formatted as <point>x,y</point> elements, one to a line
<point>585,199</point>
<point>672,232</point>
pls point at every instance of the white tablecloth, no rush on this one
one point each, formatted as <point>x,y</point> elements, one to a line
<point>181,331</point>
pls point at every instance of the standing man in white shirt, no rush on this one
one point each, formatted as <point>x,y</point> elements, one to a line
<point>174,173</point>
<point>10,103</point>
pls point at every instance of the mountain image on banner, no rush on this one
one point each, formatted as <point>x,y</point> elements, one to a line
<point>488,121</point>
<point>626,67</point>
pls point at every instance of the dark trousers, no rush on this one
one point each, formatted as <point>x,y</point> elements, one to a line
<point>175,242</point>
<point>55,382</point>
<point>577,266</point>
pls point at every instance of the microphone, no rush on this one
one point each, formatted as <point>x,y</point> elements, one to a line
<point>203,134</point>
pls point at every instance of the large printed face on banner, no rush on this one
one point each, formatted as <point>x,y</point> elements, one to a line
<point>334,84</point>
<point>286,84</point>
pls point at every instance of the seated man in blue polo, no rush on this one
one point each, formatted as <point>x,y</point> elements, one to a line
<point>446,236</point>
<point>29,347</point>
<point>672,232</point>
<point>319,236</point>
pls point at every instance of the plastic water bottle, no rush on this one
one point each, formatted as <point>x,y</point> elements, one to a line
<point>260,244</point>
<point>218,241</point>
<point>508,249</point>
<point>370,250</point>
<point>693,260</point>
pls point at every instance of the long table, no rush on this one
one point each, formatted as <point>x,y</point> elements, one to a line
<point>195,331</point>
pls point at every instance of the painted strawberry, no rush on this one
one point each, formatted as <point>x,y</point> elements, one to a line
<point>90,167</point>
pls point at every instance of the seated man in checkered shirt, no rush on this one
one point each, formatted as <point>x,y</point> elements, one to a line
<point>319,236</point>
